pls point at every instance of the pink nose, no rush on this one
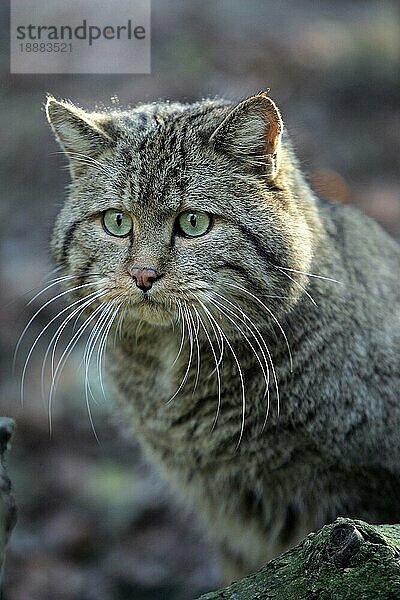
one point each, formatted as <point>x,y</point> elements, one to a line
<point>144,277</point>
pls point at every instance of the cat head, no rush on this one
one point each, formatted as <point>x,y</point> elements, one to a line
<point>176,207</point>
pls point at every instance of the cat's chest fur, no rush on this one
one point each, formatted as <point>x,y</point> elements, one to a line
<point>194,437</point>
<point>173,395</point>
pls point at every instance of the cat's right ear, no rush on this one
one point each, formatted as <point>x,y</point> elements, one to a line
<point>251,134</point>
<point>83,136</point>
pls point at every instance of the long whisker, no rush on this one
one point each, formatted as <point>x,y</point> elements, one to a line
<point>223,310</point>
<point>220,342</point>
<point>33,346</point>
<point>21,337</point>
<point>211,317</point>
<point>262,344</point>
<point>82,304</point>
<point>46,282</point>
<point>182,335</point>
<point>102,349</point>
<point>102,339</point>
<point>190,338</point>
<point>118,329</point>
<point>311,275</point>
<point>57,281</point>
<point>196,340</point>
<point>272,315</point>
<point>298,284</point>
<point>216,366</point>
<point>65,355</point>
<point>90,346</point>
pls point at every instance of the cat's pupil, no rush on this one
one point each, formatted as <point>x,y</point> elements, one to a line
<point>118,219</point>
<point>193,220</point>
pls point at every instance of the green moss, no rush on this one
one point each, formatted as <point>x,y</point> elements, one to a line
<point>346,560</point>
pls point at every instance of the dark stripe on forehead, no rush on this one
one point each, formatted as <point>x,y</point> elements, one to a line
<point>175,167</point>
<point>163,152</point>
<point>150,148</point>
<point>181,178</point>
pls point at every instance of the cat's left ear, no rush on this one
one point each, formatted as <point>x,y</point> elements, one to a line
<point>251,133</point>
<point>83,136</point>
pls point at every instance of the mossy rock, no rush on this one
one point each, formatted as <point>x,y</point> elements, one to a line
<point>346,560</point>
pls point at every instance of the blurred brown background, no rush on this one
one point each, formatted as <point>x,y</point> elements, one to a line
<point>94,521</point>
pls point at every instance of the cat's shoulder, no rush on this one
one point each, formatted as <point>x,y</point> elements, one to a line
<point>360,239</point>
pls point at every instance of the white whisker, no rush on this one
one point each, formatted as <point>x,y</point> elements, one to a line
<point>82,304</point>
<point>182,335</point>
<point>222,310</point>
<point>65,355</point>
<point>216,367</point>
<point>196,340</point>
<point>21,337</point>
<point>102,349</point>
<point>271,362</point>
<point>186,374</point>
<point>33,346</point>
<point>211,317</point>
<point>311,275</point>
<point>272,315</point>
<point>90,346</point>
<point>57,281</point>
<point>91,343</point>
<point>298,284</point>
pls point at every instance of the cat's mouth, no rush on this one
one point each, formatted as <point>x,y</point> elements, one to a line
<point>156,311</point>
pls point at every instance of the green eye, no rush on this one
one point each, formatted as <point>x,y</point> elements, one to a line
<point>194,223</point>
<point>117,222</point>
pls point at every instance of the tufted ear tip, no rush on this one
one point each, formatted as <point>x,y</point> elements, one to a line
<point>56,111</point>
<point>49,105</point>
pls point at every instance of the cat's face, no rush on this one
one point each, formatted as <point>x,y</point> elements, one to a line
<point>179,206</point>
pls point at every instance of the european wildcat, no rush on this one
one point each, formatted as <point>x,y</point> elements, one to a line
<point>198,214</point>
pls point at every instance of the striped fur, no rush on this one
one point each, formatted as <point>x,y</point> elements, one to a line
<point>278,267</point>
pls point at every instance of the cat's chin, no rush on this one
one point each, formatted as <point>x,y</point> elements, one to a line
<point>152,312</point>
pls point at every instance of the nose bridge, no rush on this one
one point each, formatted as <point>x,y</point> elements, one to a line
<point>150,243</point>
<point>149,246</point>
<point>146,262</point>
<point>146,255</point>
